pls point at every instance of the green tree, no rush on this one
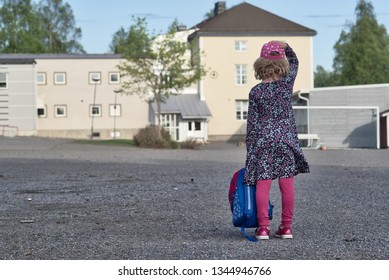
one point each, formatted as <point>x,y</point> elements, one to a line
<point>134,43</point>
<point>324,78</point>
<point>119,41</point>
<point>156,67</point>
<point>61,34</point>
<point>47,27</point>
<point>362,54</point>
<point>20,28</point>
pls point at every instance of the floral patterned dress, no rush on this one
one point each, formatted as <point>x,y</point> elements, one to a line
<point>273,149</point>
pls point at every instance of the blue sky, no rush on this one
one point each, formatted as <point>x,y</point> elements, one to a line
<point>100,19</point>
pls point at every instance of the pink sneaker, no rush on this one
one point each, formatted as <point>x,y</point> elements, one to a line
<point>262,233</point>
<point>284,232</point>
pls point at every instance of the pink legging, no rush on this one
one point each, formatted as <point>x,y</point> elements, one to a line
<point>287,197</point>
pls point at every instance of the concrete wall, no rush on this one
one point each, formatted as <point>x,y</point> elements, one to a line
<point>348,128</point>
<point>78,96</point>
<point>18,100</point>
<point>362,95</point>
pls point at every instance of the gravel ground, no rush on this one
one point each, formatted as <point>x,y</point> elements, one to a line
<point>66,200</point>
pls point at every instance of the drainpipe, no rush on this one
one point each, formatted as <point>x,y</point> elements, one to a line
<point>307,100</point>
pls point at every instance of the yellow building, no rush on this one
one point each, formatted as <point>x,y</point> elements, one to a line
<point>231,41</point>
<point>67,96</point>
<point>76,98</point>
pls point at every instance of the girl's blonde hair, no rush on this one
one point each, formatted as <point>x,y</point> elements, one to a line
<point>268,68</point>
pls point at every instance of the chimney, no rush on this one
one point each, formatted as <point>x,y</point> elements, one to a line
<point>220,7</point>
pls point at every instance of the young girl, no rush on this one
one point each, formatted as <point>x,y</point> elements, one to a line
<point>273,150</point>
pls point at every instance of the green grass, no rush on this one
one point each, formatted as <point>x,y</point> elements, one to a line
<point>111,142</point>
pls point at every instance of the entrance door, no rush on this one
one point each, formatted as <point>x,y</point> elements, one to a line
<point>170,123</point>
<point>384,132</point>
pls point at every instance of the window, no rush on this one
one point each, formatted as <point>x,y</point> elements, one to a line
<point>41,78</point>
<point>59,78</point>
<point>41,112</point>
<point>241,74</point>
<point>241,109</point>
<point>195,125</point>
<point>94,78</point>
<point>60,111</point>
<point>3,80</point>
<point>114,78</point>
<point>240,46</point>
<point>95,110</point>
<point>115,110</point>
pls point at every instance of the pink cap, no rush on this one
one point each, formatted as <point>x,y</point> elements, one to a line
<point>272,50</point>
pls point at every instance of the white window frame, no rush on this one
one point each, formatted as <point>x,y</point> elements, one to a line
<point>56,78</point>
<point>240,46</point>
<point>41,81</point>
<point>98,114</point>
<point>60,115</point>
<point>194,126</point>
<point>241,110</point>
<point>94,75</point>
<point>241,74</point>
<point>113,74</point>
<point>115,112</point>
<point>4,81</point>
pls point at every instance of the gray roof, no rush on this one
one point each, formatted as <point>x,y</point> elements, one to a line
<point>248,20</point>
<point>17,61</point>
<point>57,56</point>
<point>188,105</point>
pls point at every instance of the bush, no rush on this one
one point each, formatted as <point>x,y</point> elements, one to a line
<point>148,138</point>
<point>191,143</point>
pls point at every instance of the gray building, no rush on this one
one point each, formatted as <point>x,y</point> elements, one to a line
<point>346,117</point>
<point>17,97</point>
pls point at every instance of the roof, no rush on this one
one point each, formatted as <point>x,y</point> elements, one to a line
<point>351,87</point>
<point>17,61</point>
<point>188,105</point>
<point>248,20</point>
<point>58,56</point>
